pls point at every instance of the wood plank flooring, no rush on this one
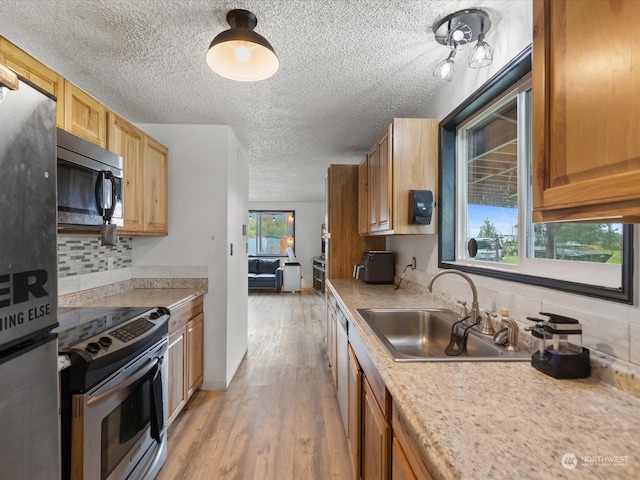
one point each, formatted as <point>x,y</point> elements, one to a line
<point>280,418</point>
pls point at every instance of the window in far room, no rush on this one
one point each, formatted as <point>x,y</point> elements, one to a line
<point>270,232</point>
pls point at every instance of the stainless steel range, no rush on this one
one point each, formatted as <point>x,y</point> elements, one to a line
<point>114,396</point>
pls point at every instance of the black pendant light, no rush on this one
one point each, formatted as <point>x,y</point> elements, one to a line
<point>240,53</point>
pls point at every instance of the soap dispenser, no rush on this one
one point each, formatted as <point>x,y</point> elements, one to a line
<point>556,347</point>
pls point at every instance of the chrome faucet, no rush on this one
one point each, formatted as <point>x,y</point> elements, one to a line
<point>512,330</point>
<point>475,309</point>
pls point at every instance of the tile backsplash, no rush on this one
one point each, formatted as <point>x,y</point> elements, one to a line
<point>83,254</point>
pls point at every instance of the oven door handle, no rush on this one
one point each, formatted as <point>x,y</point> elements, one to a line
<point>124,385</point>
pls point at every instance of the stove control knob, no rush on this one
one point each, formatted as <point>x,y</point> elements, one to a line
<point>154,315</point>
<point>105,341</point>
<point>93,347</point>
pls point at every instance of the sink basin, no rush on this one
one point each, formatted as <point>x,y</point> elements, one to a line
<point>421,335</point>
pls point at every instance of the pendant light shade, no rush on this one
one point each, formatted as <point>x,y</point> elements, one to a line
<point>482,54</point>
<point>446,67</point>
<point>240,53</point>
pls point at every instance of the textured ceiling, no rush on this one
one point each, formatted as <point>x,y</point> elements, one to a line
<point>347,67</point>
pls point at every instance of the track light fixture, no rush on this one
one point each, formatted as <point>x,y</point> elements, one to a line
<point>240,53</point>
<point>457,31</point>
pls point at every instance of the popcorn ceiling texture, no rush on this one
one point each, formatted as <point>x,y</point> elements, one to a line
<point>347,67</point>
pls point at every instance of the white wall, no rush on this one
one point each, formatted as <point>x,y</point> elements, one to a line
<point>309,219</point>
<point>609,327</point>
<point>208,191</point>
<point>237,281</point>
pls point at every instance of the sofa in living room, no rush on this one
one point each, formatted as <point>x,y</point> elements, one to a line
<point>265,273</point>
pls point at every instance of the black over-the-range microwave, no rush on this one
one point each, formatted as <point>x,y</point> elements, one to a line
<point>89,184</point>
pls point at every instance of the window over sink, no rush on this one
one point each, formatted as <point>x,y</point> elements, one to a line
<point>487,226</point>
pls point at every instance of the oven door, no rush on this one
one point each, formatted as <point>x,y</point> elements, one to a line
<point>118,428</point>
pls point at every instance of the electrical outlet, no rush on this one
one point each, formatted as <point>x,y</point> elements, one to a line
<point>109,263</point>
<point>413,263</point>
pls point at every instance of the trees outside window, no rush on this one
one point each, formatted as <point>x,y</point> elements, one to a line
<point>270,232</point>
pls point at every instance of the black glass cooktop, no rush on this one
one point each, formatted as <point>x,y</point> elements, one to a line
<point>78,324</point>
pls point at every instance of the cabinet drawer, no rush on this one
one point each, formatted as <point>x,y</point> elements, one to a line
<point>182,315</point>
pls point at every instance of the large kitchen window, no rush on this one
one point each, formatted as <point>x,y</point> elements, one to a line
<point>487,226</point>
<point>270,232</point>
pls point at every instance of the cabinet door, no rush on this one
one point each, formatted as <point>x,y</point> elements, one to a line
<point>373,174</point>
<point>355,411</point>
<point>385,181</point>
<point>415,167</point>
<point>363,197</point>
<point>84,115</point>
<point>586,99</point>
<point>380,175</point>
<point>156,187</point>
<point>195,339</point>
<point>407,458</point>
<point>30,68</point>
<point>128,141</point>
<point>177,373</point>
<point>376,438</point>
<point>400,467</point>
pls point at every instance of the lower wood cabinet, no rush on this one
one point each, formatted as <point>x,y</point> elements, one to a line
<point>186,360</point>
<point>195,354</point>
<point>376,438</point>
<point>177,372</point>
<point>355,411</point>
<point>400,466</point>
<point>407,459</point>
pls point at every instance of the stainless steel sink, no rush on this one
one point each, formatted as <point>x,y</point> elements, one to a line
<point>421,335</point>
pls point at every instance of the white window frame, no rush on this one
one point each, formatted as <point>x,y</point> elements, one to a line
<point>591,273</point>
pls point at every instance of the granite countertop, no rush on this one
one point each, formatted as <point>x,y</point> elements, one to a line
<point>172,298</point>
<point>500,419</point>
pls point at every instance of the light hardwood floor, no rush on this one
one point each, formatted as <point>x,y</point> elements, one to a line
<point>280,418</point>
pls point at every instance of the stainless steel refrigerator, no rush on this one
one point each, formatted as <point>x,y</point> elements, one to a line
<point>29,431</point>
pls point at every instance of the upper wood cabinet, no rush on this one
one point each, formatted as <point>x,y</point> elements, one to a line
<point>38,73</point>
<point>344,245</point>
<point>145,170</point>
<point>128,141</point>
<point>156,187</point>
<point>380,183</point>
<point>84,115</point>
<point>404,158</point>
<point>363,197</point>
<point>586,104</point>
